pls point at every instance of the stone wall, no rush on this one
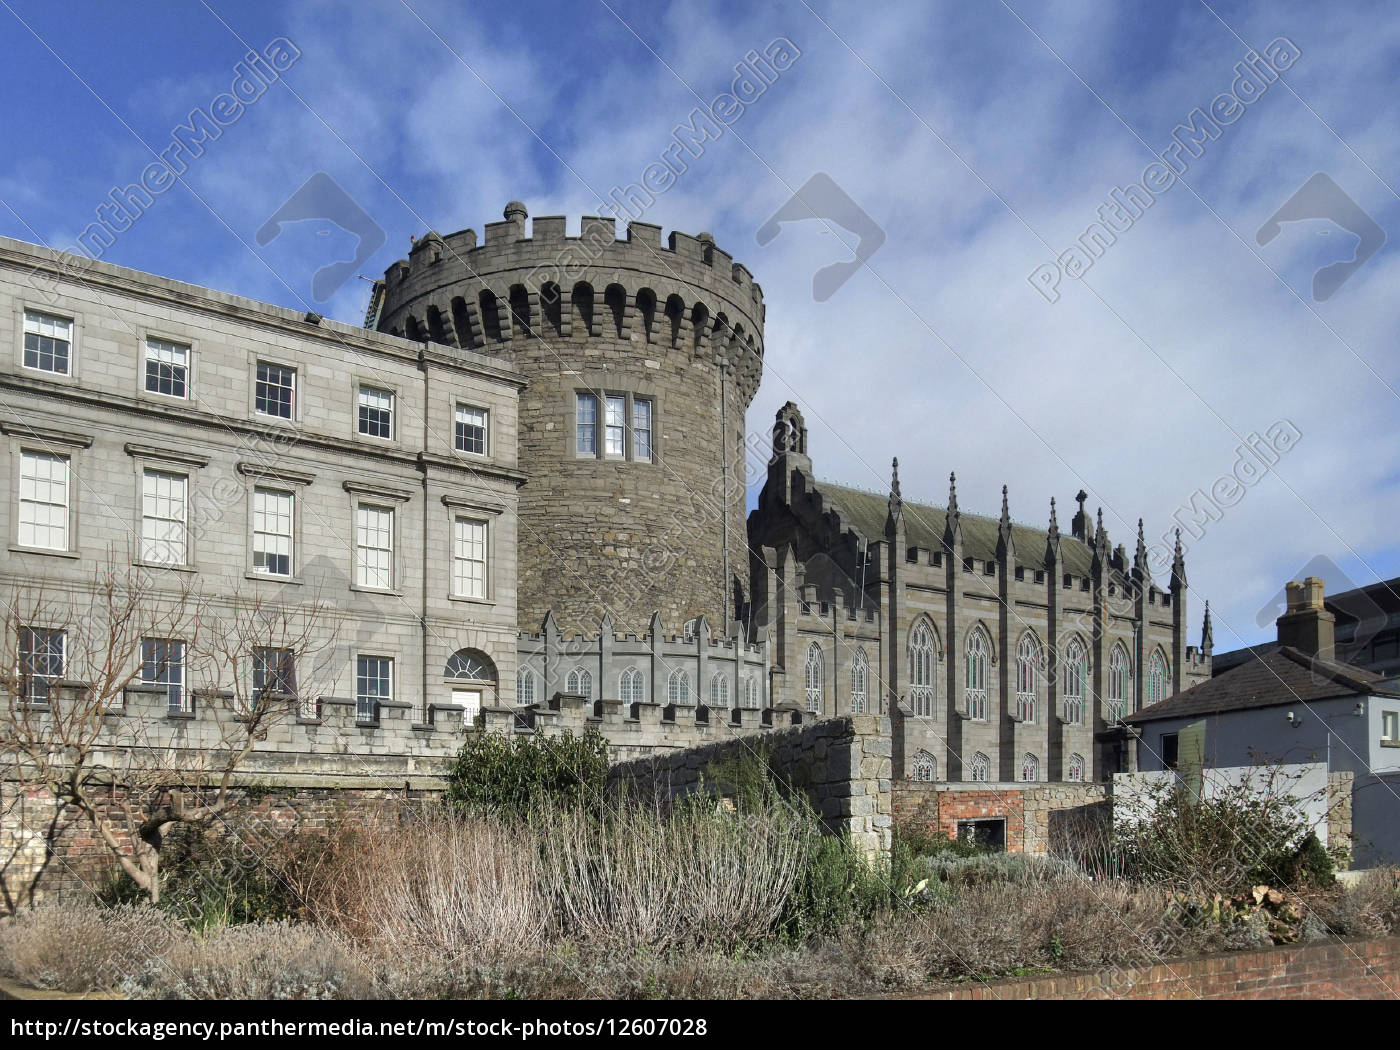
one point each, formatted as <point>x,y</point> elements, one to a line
<point>1330,970</point>
<point>1037,815</point>
<point>1339,796</point>
<point>841,764</point>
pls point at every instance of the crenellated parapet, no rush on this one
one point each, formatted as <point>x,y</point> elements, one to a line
<point>516,283</point>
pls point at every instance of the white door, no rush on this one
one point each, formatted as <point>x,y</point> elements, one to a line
<point>470,700</point>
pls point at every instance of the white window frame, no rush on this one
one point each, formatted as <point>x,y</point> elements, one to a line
<point>719,691</point>
<point>1030,768</point>
<point>462,408</point>
<point>177,526</point>
<point>153,348</point>
<point>860,682</point>
<point>979,768</point>
<point>612,432</point>
<point>458,559</point>
<point>1390,728</point>
<point>33,322</point>
<point>678,689</point>
<point>170,674</point>
<point>632,686</point>
<point>367,704</point>
<point>580,682</point>
<point>814,679</point>
<point>294,413</point>
<point>369,525</point>
<point>290,536</point>
<point>524,686</point>
<point>976,664</point>
<point>365,396</point>
<point>753,699</point>
<point>52,677</point>
<point>924,768</point>
<point>923,673</point>
<point>1074,770</point>
<point>38,455</point>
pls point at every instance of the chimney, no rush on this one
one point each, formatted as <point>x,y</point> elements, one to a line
<point>1307,625</point>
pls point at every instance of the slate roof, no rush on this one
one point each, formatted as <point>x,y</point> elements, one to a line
<point>923,527</point>
<point>1279,676</point>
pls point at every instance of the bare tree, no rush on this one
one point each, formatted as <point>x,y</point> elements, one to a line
<point>84,672</point>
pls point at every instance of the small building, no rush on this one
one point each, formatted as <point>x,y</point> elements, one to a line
<point>1294,704</point>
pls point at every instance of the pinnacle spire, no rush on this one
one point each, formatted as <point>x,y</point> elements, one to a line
<point>952,525</point>
<point>1178,563</point>
<point>896,500</point>
<point>1054,523</point>
<point>952,493</point>
<point>1005,509</point>
<point>1207,633</point>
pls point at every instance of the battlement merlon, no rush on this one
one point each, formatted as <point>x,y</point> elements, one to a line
<point>691,268</point>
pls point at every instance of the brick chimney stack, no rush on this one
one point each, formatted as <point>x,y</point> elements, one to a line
<point>1307,625</point>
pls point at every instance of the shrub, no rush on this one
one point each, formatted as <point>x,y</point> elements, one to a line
<point>516,774</point>
<point>83,946</point>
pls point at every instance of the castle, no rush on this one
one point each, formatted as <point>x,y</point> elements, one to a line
<point>522,486</point>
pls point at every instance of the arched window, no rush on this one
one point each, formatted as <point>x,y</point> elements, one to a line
<point>751,698</point>
<point>924,767</point>
<point>678,687</point>
<point>1156,679</point>
<point>470,665</point>
<point>1030,767</point>
<point>921,673</point>
<point>1074,682</point>
<point>580,682</point>
<point>1075,772</point>
<point>975,677</point>
<point>979,768</point>
<point>860,679</point>
<point>813,678</point>
<point>1027,678</point>
<point>719,692</point>
<point>631,687</point>
<point>525,686</point>
<point>1119,678</point>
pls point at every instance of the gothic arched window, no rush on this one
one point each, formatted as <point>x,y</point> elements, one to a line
<point>751,697</point>
<point>813,678</point>
<point>1156,679</point>
<point>525,686</point>
<point>924,766</point>
<point>975,674</point>
<point>921,674</point>
<point>1030,767</point>
<point>1074,682</point>
<point>678,687</point>
<point>580,682</point>
<point>979,768</point>
<point>1075,772</point>
<point>860,680</point>
<point>631,687</point>
<point>1027,678</point>
<point>719,692</point>
<point>1119,681</point>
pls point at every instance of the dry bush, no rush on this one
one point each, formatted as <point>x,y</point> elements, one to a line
<point>256,961</point>
<point>82,947</point>
<point>1366,907</point>
<point>701,875</point>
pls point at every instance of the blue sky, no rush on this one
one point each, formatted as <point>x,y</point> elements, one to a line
<point>982,138</point>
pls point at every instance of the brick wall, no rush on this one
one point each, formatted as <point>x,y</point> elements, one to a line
<point>1035,815</point>
<point>1330,970</point>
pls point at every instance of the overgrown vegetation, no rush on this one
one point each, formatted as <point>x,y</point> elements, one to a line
<point>525,885</point>
<point>509,774</point>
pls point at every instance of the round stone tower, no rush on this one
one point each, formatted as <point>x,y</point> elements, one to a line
<point>642,359</point>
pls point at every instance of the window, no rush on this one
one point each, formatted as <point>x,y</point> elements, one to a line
<point>924,768</point>
<point>469,665</point>
<point>1074,682</point>
<point>813,678</point>
<point>641,429</point>
<point>470,430</point>
<point>860,680</point>
<point>1156,679</point>
<point>751,699</point>
<point>525,686</point>
<point>608,436</point>
<point>719,692</point>
<point>468,558</point>
<point>975,675</point>
<point>979,768</point>
<point>272,532</point>
<point>43,501</point>
<point>1390,727</point>
<point>1030,767</point>
<point>1075,770</point>
<point>275,393</point>
<point>1171,750</point>
<point>631,687</point>
<point>164,536</point>
<point>921,674</point>
<point>374,684</point>
<point>615,426</point>
<point>678,687</point>
<point>1027,678</point>
<point>163,663</point>
<point>167,368</point>
<point>374,547</point>
<point>274,671</point>
<point>988,833</point>
<point>587,425</point>
<point>48,343</point>
<point>376,412</point>
<point>580,682</point>
<point>42,662</point>
<point>1118,679</point>
<point>688,630</point>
